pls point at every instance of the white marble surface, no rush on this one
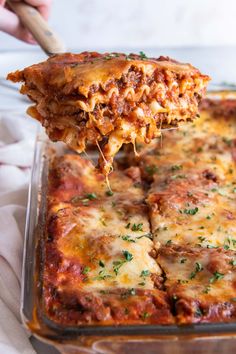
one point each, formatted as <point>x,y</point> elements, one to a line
<point>136,23</point>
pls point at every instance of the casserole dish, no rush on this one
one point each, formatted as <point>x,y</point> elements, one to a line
<point>199,338</point>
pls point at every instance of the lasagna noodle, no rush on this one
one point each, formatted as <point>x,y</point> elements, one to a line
<point>98,249</point>
<point>110,98</point>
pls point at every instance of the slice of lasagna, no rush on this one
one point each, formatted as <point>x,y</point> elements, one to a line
<point>200,282</point>
<point>110,99</point>
<point>193,185</point>
<point>99,255</point>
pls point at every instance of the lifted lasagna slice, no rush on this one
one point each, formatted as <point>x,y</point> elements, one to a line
<point>200,282</point>
<point>110,99</point>
<point>99,253</point>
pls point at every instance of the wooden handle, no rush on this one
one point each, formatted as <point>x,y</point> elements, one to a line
<point>39,28</point>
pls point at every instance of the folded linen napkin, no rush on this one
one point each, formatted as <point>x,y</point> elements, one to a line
<point>17,136</point>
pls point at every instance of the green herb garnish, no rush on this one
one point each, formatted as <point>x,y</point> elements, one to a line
<point>145,273</point>
<point>101,263</point>
<point>127,238</point>
<point>86,270</point>
<point>128,256</point>
<point>91,196</point>
<point>137,227</point>
<point>189,211</point>
<point>176,167</point>
<point>216,276</point>
<point>142,55</point>
<point>198,268</point>
<point>151,169</point>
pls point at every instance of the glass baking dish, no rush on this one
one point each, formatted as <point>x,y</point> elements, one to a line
<point>144,339</point>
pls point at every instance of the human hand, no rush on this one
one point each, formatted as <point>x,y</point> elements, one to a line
<point>10,23</point>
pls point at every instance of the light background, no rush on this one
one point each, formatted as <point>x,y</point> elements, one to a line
<point>88,24</point>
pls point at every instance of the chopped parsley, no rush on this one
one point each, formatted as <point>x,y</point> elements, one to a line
<point>148,235</point>
<point>102,275</point>
<point>176,167</point>
<point>233,262</point>
<point>145,273</point>
<point>128,225</point>
<point>151,169</point>
<point>208,217</point>
<point>198,312</point>
<point>101,263</point>
<point>207,289</point>
<point>216,276</point>
<point>127,238</point>
<point>117,264</point>
<point>109,193</point>
<point>229,243</point>
<point>145,315</point>
<point>168,242</point>
<point>128,256</point>
<point>198,268</point>
<point>86,270</point>
<point>201,238</point>
<point>183,260</point>
<point>137,227</point>
<point>211,246</point>
<point>214,189</point>
<point>189,211</point>
<point>142,55</point>
<point>233,299</point>
<point>142,283</point>
<point>178,176</point>
<point>91,196</point>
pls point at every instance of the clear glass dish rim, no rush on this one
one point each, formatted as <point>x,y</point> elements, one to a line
<point>28,294</point>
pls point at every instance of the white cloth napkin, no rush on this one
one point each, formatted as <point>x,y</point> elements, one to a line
<point>17,136</point>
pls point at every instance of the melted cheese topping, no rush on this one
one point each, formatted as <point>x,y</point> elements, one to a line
<point>192,198</point>
<point>200,282</point>
<point>105,233</point>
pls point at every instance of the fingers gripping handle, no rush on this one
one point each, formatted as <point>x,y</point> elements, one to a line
<point>35,23</point>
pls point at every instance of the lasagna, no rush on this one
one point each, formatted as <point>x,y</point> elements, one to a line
<point>110,99</point>
<point>160,248</point>
<point>99,264</point>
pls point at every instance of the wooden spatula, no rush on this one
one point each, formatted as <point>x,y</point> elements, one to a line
<point>39,28</point>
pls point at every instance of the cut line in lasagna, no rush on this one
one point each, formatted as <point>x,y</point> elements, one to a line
<point>110,99</point>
